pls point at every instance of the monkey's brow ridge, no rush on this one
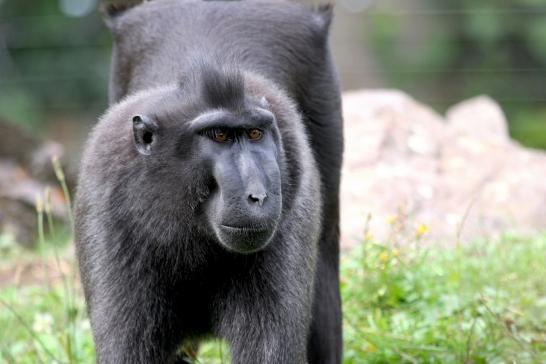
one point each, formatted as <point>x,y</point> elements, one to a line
<point>222,118</point>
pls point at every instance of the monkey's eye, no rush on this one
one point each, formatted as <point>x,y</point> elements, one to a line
<point>255,134</point>
<point>218,135</point>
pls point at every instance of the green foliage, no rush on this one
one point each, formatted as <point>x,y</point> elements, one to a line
<point>530,127</point>
<point>458,49</point>
<point>39,329</point>
<point>52,64</point>
<point>20,104</point>
<point>482,303</point>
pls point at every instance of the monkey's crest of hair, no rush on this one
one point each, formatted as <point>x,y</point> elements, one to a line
<point>218,87</point>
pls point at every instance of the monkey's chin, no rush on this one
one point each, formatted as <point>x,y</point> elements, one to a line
<point>244,240</point>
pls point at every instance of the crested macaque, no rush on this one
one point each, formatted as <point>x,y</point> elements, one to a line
<point>207,202</point>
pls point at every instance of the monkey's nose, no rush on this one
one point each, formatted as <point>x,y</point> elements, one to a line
<point>258,198</point>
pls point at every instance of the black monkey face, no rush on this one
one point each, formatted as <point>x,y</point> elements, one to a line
<point>242,151</point>
<point>234,156</point>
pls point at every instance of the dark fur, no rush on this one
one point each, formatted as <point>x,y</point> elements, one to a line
<point>153,274</point>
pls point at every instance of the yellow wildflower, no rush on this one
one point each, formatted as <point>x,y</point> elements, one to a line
<point>391,219</point>
<point>383,257</point>
<point>421,230</point>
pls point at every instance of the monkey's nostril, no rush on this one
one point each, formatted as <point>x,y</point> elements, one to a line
<point>257,198</point>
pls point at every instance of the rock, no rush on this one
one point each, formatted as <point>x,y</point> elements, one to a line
<point>31,153</point>
<point>481,118</point>
<point>461,176</point>
<point>25,172</point>
<point>18,193</point>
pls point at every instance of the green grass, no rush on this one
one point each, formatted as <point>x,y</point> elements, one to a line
<point>481,303</point>
<point>484,303</point>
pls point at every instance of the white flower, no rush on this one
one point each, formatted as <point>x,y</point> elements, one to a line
<point>43,323</point>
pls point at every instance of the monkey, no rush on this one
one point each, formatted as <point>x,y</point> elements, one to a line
<point>208,196</point>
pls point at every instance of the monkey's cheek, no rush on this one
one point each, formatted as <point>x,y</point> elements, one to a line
<point>243,240</point>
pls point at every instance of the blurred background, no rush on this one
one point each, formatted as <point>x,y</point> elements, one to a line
<point>54,59</point>
<point>404,301</point>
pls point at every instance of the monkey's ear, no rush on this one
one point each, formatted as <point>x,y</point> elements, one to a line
<point>112,9</point>
<point>144,134</point>
<point>324,14</point>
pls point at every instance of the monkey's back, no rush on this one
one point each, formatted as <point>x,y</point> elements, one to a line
<point>283,41</point>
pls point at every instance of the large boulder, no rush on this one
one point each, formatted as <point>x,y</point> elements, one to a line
<point>406,167</point>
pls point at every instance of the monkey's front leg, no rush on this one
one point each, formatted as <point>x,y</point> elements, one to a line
<point>268,339</point>
<point>262,327</point>
<point>132,322</point>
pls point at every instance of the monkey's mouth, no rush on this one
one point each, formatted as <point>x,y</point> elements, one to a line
<point>244,229</point>
<point>244,239</point>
